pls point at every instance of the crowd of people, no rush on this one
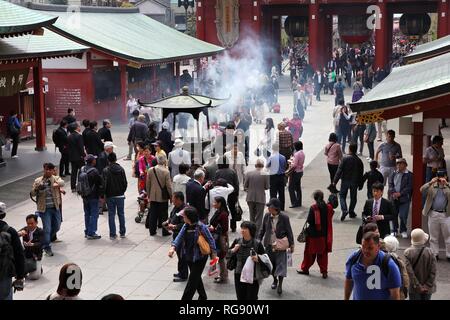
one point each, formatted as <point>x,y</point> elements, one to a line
<point>198,203</point>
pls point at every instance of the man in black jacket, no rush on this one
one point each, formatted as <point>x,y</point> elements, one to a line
<point>76,154</point>
<point>230,177</point>
<point>70,117</point>
<point>115,185</point>
<point>101,163</point>
<point>90,202</point>
<point>92,141</point>
<point>196,193</point>
<point>176,222</point>
<point>350,171</point>
<point>15,265</point>
<point>379,210</point>
<point>105,132</point>
<point>61,142</point>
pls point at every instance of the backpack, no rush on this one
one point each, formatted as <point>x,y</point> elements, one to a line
<point>385,269</point>
<point>7,267</point>
<point>339,90</point>
<point>84,189</point>
<point>333,200</point>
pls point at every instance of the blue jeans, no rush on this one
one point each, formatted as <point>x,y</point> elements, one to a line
<point>113,204</point>
<point>342,137</point>
<point>90,207</point>
<point>345,186</point>
<point>51,222</point>
<point>402,211</point>
<point>6,292</point>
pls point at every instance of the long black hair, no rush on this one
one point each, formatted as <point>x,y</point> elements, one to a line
<point>269,124</point>
<point>222,202</point>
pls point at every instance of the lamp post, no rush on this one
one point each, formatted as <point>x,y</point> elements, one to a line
<point>186,4</point>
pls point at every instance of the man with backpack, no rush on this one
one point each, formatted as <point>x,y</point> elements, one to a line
<point>90,188</point>
<point>371,274</point>
<point>12,260</point>
<point>115,185</point>
<point>46,189</point>
<point>60,139</point>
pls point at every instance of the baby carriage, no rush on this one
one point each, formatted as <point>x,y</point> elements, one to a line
<point>143,207</point>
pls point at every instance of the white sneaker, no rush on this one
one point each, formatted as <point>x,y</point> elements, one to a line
<point>404,235</point>
<point>14,157</point>
<point>394,234</point>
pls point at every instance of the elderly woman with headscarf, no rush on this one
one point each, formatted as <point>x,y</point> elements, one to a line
<point>319,239</point>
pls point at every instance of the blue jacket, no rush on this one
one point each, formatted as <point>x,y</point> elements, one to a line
<point>179,243</point>
<point>15,121</point>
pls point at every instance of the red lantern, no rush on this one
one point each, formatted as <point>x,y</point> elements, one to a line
<point>353,29</point>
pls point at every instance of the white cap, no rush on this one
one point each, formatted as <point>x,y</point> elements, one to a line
<point>2,207</point>
<point>109,144</point>
<point>165,125</point>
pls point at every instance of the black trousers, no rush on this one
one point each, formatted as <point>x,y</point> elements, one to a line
<point>15,142</point>
<point>64,163</point>
<point>195,282</point>
<point>245,291</point>
<point>76,166</point>
<point>371,150</point>
<point>183,270</point>
<point>158,214</point>
<point>277,184</point>
<point>295,188</point>
<point>332,169</point>
<point>232,200</point>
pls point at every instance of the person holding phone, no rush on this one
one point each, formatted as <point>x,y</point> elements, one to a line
<point>437,209</point>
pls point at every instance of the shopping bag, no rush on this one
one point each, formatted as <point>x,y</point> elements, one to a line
<point>289,259</point>
<point>248,271</point>
<point>213,271</point>
<point>8,145</point>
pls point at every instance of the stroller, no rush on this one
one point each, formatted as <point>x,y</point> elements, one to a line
<point>143,207</point>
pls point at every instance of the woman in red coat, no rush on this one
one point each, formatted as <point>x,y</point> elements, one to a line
<point>219,230</point>
<point>319,237</point>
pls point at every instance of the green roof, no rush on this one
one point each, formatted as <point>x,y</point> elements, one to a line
<point>131,36</point>
<point>16,20</point>
<point>408,84</point>
<point>49,44</point>
<point>429,49</point>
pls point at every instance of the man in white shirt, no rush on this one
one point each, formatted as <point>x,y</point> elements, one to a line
<point>178,156</point>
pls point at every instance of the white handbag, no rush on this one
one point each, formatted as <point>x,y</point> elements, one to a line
<point>248,271</point>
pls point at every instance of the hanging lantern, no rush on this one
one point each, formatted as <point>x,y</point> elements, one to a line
<point>296,26</point>
<point>415,24</point>
<point>353,29</point>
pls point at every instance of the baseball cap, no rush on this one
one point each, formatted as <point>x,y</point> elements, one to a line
<point>2,210</point>
<point>165,125</point>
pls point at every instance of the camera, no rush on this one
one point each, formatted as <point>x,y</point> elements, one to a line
<point>252,252</point>
<point>366,220</point>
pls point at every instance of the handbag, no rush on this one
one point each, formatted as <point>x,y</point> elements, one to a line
<point>239,212</point>
<point>231,261</point>
<point>203,244</point>
<point>30,265</point>
<point>248,271</point>
<point>303,234</point>
<point>164,192</point>
<point>281,244</point>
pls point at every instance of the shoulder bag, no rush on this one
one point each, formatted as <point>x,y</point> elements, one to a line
<point>164,192</point>
<point>281,244</point>
<point>203,244</point>
<point>303,234</point>
<point>239,212</point>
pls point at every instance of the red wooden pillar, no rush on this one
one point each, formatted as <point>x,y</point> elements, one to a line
<point>200,22</point>
<point>381,35</point>
<point>123,90</point>
<point>314,38</point>
<point>256,17</point>
<point>418,173</point>
<point>442,16</point>
<point>39,108</point>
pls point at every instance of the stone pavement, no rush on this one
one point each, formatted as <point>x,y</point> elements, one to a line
<point>138,267</point>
